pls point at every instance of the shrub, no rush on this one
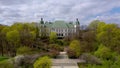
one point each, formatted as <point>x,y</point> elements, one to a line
<point>60,42</point>
<point>24,50</point>
<point>43,62</point>
<point>53,53</point>
<point>91,59</point>
<point>55,47</point>
<point>71,53</point>
<point>75,47</point>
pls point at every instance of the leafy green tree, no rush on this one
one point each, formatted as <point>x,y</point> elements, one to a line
<point>88,43</point>
<point>100,26</point>
<point>103,52</point>
<point>13,38</point>
<point>109,35</point>
<point>1,27</point>
<point>43,62</point>
<point>93,25</point>
<point>4,44</point>
<point>33,35</point>
<point>17,26</point>
<point>2,39</point>
<point>75,47</point>
<point>17,34</point>
<point>5,30</point>
<point>27,34</point>
<point>37,31</point>
<point>53,37</point>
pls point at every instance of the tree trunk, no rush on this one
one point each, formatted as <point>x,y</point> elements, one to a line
<point>2,50</point>
<point>1,47</point>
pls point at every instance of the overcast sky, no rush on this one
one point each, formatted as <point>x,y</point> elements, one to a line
<point>32,10</point>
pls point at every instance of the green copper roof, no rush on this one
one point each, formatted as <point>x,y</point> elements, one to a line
<point>70,25</point>
<point>59,24</point>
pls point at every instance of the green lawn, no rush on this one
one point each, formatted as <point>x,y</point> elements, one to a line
<point>3,58</point>
<point>82,65</point>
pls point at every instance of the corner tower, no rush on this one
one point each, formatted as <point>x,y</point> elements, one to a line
<point>77,24</point>
<point>41,28</point>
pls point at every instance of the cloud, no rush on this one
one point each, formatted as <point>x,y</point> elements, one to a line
<point>32,10</point>
<point>115,18</point>
<point>14,2</point>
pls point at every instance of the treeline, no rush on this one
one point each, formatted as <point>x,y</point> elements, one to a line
<point>95,36</point>
<point>23,38</point>
<point>17,35</point>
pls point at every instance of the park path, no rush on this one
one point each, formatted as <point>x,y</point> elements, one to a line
<point>63,61</point>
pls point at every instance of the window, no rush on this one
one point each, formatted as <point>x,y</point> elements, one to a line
<point>65,30</point>
<point>56,30</point>
<point>53,29</point>
<point>61,34</point>
<point>61,30</point>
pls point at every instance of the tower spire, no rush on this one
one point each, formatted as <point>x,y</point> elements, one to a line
<point>41,22</point>
<point>77,21</point>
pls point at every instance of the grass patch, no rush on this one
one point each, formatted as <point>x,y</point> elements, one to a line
<point>6,64</point>
<point>3,58</point>
<point>85,65</point>
<point>82,65</point>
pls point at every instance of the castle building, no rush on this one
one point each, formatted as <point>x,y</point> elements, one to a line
<point>61,28</point>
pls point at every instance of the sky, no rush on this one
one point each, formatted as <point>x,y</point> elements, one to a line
<point>12,11</point>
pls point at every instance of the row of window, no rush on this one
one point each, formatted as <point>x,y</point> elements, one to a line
<point>59,34</point>
<point>63,34</point>
<point>64,30</point>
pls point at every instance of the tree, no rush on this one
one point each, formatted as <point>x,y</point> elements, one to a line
<point>109,35</point>
<point>28,34</point>
<point>53,37</point>
<point>88,43</point>
<point>93,25</point>
<point>33,35</point>
<point>5,30</point>
<point>2,39</point>
<point>4,44</point>
<point>75,47</point>
<point>43,62</point>
<point>37,31</point>
<point>13,38</point>
<point>103,52</point>
<point>17,26</point>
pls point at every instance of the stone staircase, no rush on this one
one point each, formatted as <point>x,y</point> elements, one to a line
<point>63,61</point>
